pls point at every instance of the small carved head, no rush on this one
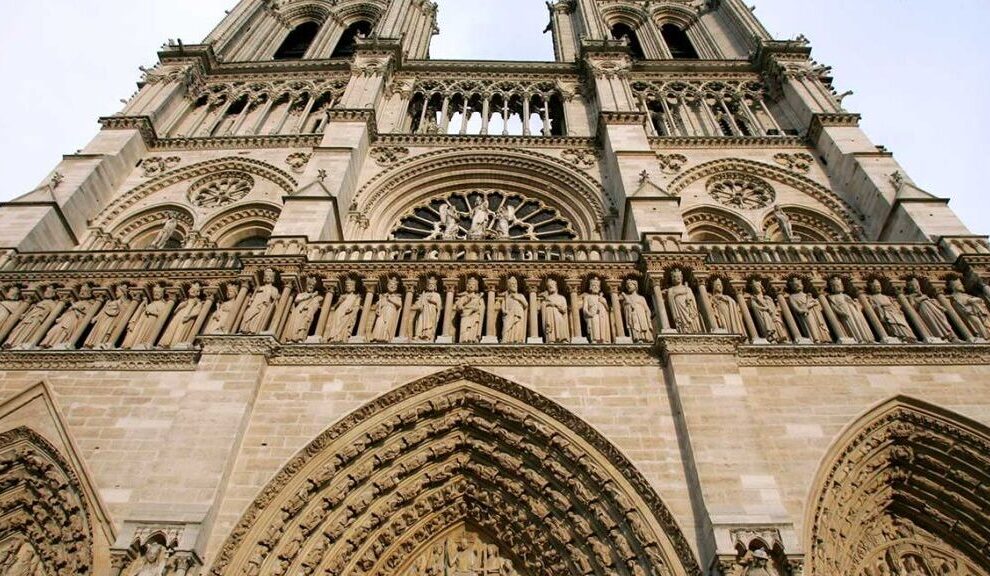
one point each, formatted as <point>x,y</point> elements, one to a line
<point>551,286</point>
<point>12,292</point>
<point>512,284</point>
<point>85,291</point>
<point>269,276</point>
<point>157,292</point>
<point>311,284</point>
<point>392,284</point>
<point>956,285</point>
<point>717,286</point>
<point>913,286</point>
<point>121,291</point>
<point>677,277</point>
<point>756,287</point>
<point>595,285</point>
<point>472,284</point>
<point>350,285</point>
<point>195,289</point>
<point>795,285</point>
<point>875,286</point>
<point>836,285</point>
<point>49,292</point>
<point>632,285</point>
<point>232,289</point>
<point>431,284</point>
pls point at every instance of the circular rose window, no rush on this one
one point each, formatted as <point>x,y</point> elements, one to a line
<point>220,189</point>
<point>741,191</point>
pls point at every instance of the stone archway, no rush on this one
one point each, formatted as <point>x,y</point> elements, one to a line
<point>464,461</point>
<point>904,491</point>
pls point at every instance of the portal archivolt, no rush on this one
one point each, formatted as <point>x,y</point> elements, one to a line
<point>906,491</point>
<point>459,462</point>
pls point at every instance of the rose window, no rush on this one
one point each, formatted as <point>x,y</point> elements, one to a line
<point>741,191</point>
<point>483,215</point>
<point>220,189</point>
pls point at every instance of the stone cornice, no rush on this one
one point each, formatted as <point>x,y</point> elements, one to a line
<point>238,142</point>
<point>865,355</point>
<point>723,142</point>
<point>445,140</point>
<point>462,354</point>
<point>142,124</point>
<point>828,120</point>
<point>115,360</point>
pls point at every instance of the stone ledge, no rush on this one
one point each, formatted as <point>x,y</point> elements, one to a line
<point>865,355</point>
<point>458,354</point>
<point>115,360</point>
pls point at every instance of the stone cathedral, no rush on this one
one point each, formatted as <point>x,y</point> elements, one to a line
<point>316,304</point>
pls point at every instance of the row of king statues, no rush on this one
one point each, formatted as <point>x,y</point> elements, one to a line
<point>509,310</point>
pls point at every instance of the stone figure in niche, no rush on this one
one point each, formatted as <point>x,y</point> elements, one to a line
<point>556,327</point>
<point>70,322</point>
<point>142,330</point>
<point>767,315</point>
<point>388,312</point>
<point>427,309</point>
<point>889,313</point>
<point>481,217</point>
<point>514,307</point>
<point>259,309</point>
<point>931,311</point>
<point>110,317</point>
<point>471,307</point>
<point>683,306</point>
<point>636,311</point>
<point>726,310</point>
<point>151,562</point>
<point>971,309</point>
<point>223,316</point>
<point>11,304</point>
<point>304,308</point>
<point>450,225</point>
<point>165,234</point>
<point>757,563</point>
<point>345,313</point>
<point>183,325</point>
<point>21,561</point>
<point>849,312</point>
<point>594,310</point>
<point>784,224</point>
<point>808,313</point>
<point>33,321</point>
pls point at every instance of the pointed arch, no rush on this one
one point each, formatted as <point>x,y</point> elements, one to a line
<point>130,198</point>
<point>462,447</point>
<point>839,208</point>
<point>904,484</point>
<point>712,224</point>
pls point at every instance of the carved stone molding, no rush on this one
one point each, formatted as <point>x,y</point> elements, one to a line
<point>115,360</point>
<point>461,446</point>
<point>457,355</point>
<point>866,355</point>
<point>386,156</point>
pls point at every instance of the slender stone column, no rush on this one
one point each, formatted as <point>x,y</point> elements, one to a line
<point>706,307</point>
<point>874,320</point>
<point>330,285</point>
<point>792,327</point>
<point>367,312</point>
<point>747,316</point>
<point>618,325</point>
<point>574,291</point>
<point>838,332</point>
<point>914,319</point>
<point>491,314</point>
<point>533,287</point>
<point>660,305</point>
<point>447,333</point>
<point>405,323</point>
<point>956,320</point>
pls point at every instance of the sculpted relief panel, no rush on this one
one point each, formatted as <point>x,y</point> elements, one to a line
<point>461,552</point>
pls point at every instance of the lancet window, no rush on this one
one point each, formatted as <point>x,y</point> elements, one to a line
<point>487,108</point>
<point>298,41</point>
<point>678,43</point>
<point>484,215</point>
<point>688,108</point>
<point>249,109</point>
<point>348,41</point>
<point>624,32</point>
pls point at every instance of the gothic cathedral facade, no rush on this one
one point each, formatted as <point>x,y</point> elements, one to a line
<point>315,304</point>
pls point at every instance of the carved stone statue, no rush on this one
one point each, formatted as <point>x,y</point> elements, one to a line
<point>345,314</point>
<point>808,313</point>
<point>784,224</point>
<point>931,311</point>
<point>849,312</point>
<point>151,563</point>
<point>471,307</point>
<point>594,310</point>
<point>481,216</point>
<point>183,325</point>
<point>683,306</point>
<point>889,313</point>
<point>449,222</point>
<point>261,306</point>
<point>165,234</point>
<point>11,304</point>
<point>514,307</point>
<point>22,562</point>
<point>726,310</point>
<point>70,322</point>
<point>767,314</point>
<point>971,309</point>
<point>33,321</point>
<point>636,311</point>
<point>109,319</point>
<point>388,312</point>
<point>427,309</point>
<point>756,563</point>
<point>142,330</point>
<point>556,327</point>
<point>222,318</point>
<point>305,306</point>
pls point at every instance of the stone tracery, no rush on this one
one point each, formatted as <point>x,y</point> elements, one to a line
<point>459,447</point>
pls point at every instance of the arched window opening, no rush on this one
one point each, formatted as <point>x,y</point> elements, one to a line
<point>623,31</point>
<point>348,41</point>
<point>298,41</point>
<point>258,241</point>
<point>678,43</point>
<point>558,125</point>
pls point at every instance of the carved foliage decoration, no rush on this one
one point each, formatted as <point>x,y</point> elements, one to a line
<point>800,162</point>
<point>45,528</point>
<point>388,155</point>
<point>157,165</point>
<point>220,189</point>
<point>905,492</point>
<point>460,448</point>
<point>741,191</point>
<point>580,157</point>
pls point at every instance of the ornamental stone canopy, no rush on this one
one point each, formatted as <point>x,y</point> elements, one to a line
<point>313,303</point>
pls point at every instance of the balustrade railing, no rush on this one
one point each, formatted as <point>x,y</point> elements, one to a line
<point>467,251</point>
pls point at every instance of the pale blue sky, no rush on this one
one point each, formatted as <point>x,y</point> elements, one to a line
<point>920,71</point>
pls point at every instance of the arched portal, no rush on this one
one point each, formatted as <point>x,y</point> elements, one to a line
<point>461,456</point>
<point>904,491</point>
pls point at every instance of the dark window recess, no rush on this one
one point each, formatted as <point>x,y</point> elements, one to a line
<point>678,43</point>
<point>348,41</point>
<point>253,242</point>
<point>620,31</point>
<point>298,41</point>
